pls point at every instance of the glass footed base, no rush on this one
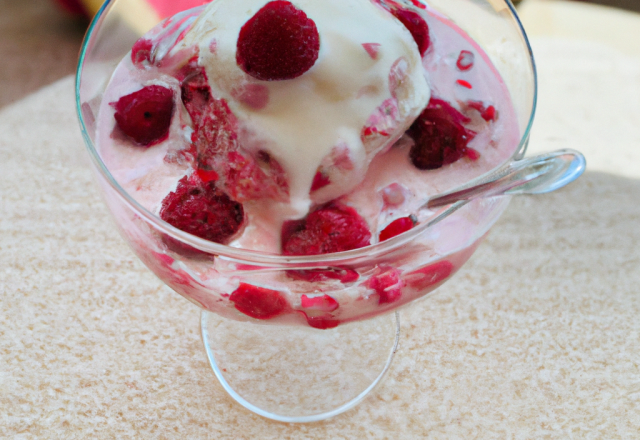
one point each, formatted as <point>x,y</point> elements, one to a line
<point>299,374</point>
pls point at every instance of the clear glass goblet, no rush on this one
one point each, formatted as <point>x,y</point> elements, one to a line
<point>324,338</point>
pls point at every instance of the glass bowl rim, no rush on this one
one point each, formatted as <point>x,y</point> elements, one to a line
<point>253,256</point>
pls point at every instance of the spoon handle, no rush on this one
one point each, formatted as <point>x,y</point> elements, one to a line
<point>534,175</point>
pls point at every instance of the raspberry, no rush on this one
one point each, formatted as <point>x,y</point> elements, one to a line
<point>323,303</point>
<point>258,302</point>
<point>321,323</point>
<point>145,115</point>
<point>250,178</point>
<point>201,209</point>
<point>279,42</point>
<point>397,227</point>
<point>215,127</point>
<point>387,285</point>
<point>488,113</point>
<point>319,275</point>
<point>465,60</point>
<point>141,51</point>
<point>439,136</point>
<point>416,25</point>
<point>331,228</point>
<point>429,275</point>
<point>320,180</point>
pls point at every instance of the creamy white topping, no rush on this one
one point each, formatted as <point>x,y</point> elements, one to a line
<point>327,106</point>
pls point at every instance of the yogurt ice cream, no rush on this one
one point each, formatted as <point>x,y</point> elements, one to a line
<point>303,128</point>
<point>365,57</point>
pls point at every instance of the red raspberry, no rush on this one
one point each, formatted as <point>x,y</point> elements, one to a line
<point>141,51</point>
<point>215,126</point>
<point>258,302</point>
<point>488,113</point>
<point>320,180</point>
<point>201,209</point>
<point>439,136</point>
<point>279,42</point>
<point>242,176</point>
<point>397,227</point>
<point>331,228</point>
<point>430,275</point>
<point>321,322</point>
<point>145,115</point>
<point>250,178</point>
<point>387,285</point>
<point>324,303</point>
<point>417,26</point>
<point>465,60</point>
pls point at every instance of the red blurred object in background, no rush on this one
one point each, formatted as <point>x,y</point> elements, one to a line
<point>73,7</point>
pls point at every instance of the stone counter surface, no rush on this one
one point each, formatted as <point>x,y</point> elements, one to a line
<point>537,337</point>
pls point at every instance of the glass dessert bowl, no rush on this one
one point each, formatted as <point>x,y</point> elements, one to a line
<point>298,337</point>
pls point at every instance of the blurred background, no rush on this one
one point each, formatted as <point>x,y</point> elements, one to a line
<point>40,39</point>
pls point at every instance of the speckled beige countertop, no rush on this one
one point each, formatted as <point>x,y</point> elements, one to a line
<point>537,337</point>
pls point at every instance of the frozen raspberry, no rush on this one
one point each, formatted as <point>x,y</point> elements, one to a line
<point>201,209</point>
<point>141,52</point>
<point>206,175</point>
<point>323,303</point>
<point>214,125</point>
<point>416,25</point>
<point>279,42</point>
<point>331,228</point>
<point>258,302</point>
<point>145,115</point>
<point>488,113</point>
<point>321,323</point>
<point>465,60</point>
<point>215,137</point>
<point>439,136</point>
<point>397,227</point>
<point>430,275</point>
<point>250,178</point>
<point>387,285</point>
<point>320,180</point>
<point>319,275</point>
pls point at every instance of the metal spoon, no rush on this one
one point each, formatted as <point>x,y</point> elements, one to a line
<point>534,175</point>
